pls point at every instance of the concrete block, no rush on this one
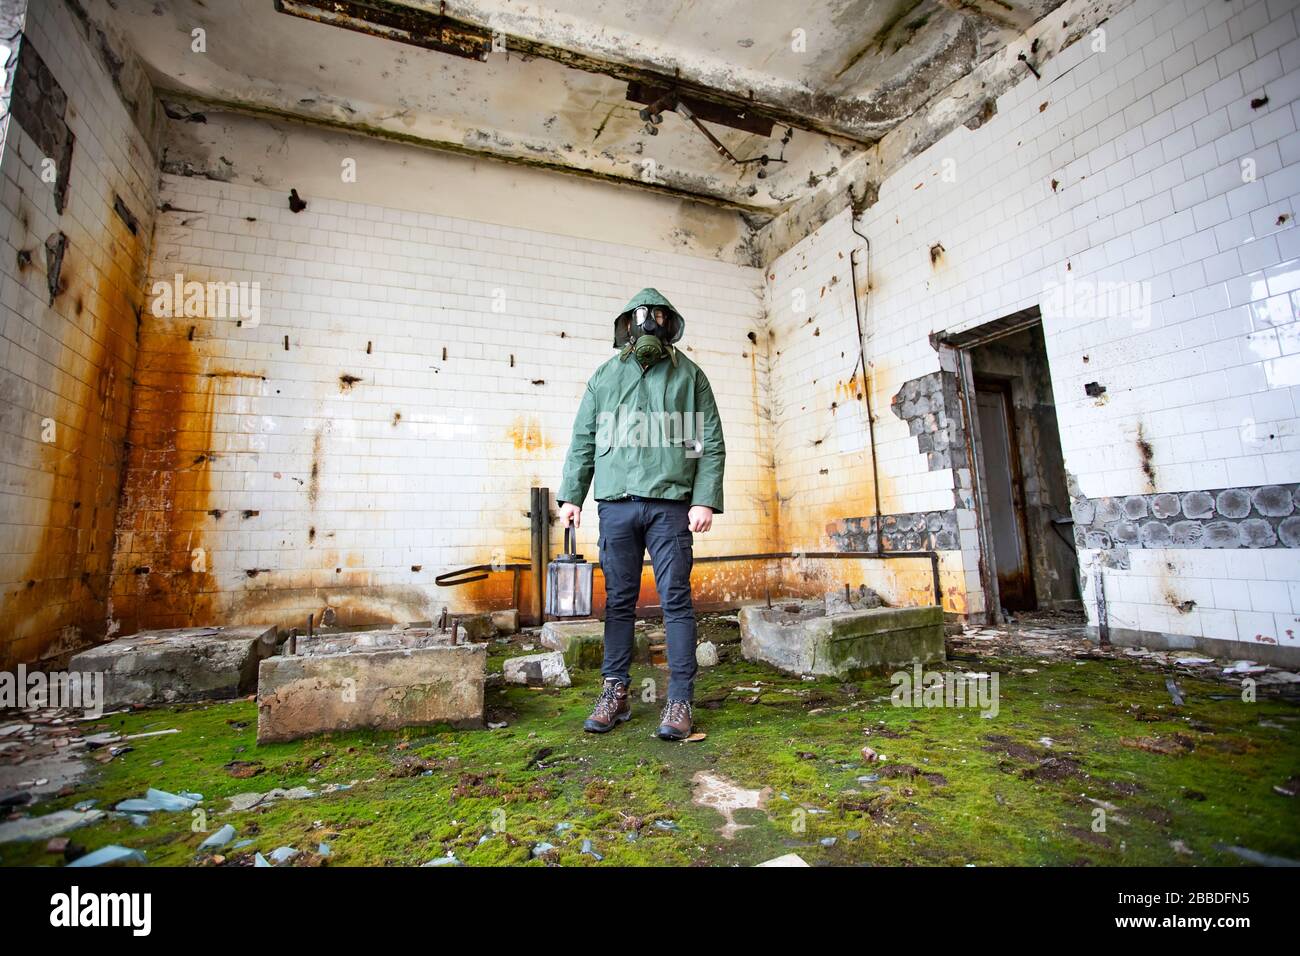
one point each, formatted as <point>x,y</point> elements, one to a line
<point>382,639</point>
<point>506,622</point>
<point>802,639</point>
<point>537,670</point>
<point>582,643</point>
<point>381,689</point>
<point>178,664</point>
<point>477,627</point>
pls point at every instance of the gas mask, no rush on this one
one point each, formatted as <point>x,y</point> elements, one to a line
<point>652,328</point>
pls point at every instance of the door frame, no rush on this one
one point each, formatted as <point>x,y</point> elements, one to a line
<point>954,349</point>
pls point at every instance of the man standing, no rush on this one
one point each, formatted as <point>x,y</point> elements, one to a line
<point>648,430</point>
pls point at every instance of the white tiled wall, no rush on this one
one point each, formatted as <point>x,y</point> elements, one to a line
<point>447,484</point>
<point>1122,165</point>
<point>67,365</point>
<point>1146,143</point>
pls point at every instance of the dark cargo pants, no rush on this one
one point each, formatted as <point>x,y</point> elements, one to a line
<point>629,528</point>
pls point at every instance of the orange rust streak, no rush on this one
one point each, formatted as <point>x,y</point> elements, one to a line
<point>165,495</point>
<point>767,494</point>
<point>527,436</point>
<point>61,601</point>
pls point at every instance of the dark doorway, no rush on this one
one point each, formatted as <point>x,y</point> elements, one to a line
<point>1023,495</point>
<point>1004,493</point>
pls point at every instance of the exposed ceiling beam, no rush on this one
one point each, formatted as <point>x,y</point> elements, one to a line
<point>195,103</point>
<point>851,119</point>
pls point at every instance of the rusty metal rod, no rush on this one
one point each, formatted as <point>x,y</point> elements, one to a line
<point>539,513</point>
<point>932,556</point>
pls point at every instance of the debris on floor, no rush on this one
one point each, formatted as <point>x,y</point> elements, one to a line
<point>218,839</point>
<point>44,750</point>
<point>109,856</point>
<point>1055,635</point>
<point>46,826</point>
<point>780,772</point>
<point>371,680</point>
<point>839,639</point>
<point>155,800</point>
<point>582,643</point>
<point>247,801</point>
<point>713,790</point>
<point>537,670</point>
<point>192,663</point>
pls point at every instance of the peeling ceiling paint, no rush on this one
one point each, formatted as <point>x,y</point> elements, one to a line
<point>843,72</point>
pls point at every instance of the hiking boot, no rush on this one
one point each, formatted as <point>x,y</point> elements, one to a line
<point>612,708</point>
<point>675,722</point>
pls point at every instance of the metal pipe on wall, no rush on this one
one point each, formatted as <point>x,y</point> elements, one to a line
<point>539,513</point>
<point>862,358</point>
<point>478,572</point>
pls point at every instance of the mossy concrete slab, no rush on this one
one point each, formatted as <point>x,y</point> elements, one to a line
<point>376,689</point>
<point>583,643</point>
<point>178,664</point>
<point>803,639</point>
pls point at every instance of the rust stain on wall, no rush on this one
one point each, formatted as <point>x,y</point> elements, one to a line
<point>350,599</point>
<point>767,493</point>
<point>60,603</point>
<point>527,436</point>
<point>1146,458</point>
<point>165,496</point>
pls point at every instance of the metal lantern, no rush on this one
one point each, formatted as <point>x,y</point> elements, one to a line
<point>568,581</point>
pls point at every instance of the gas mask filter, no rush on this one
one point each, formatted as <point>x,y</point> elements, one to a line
<point>652,325</point>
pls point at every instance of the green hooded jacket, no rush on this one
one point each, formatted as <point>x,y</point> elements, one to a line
<point>653,432</point>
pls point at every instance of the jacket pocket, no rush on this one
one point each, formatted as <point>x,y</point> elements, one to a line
<point>603,477</point>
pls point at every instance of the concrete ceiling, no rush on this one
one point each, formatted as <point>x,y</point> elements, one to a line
<point>557,96</point>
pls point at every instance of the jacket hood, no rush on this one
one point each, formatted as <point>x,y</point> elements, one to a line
<point>650,297</point>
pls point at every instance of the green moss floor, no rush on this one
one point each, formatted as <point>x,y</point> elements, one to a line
<point>1087,762</point>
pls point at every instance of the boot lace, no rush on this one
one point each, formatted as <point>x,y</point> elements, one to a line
<point>676,712</point>
<point>607,702</point>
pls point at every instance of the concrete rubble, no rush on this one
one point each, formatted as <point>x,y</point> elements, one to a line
<point>46,750</point>
<point>46,826</point>
<point>489,624</point>
<point>537,670</point>
<point>582,643</point>
<point>802,638</point>
<point>1051,635</point>
<point>354,642</point>
<point>379,679</point>
<point>178,664</point>
<point>110,856</point>
<point>247,801</point>
<point>851,725</point>
<point>155,800</point>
